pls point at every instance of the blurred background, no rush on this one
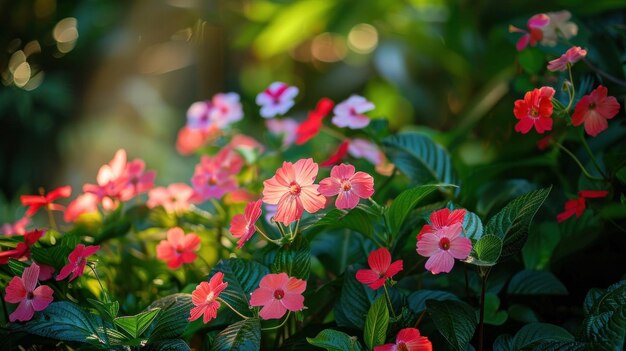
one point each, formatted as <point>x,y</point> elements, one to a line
<point>81,79</point>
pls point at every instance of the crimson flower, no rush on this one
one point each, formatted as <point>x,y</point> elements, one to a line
<point>442,218</point>
<point>312,125</point>
<point>335,158</point>
<point>77,261</point>
<point>178,248</point>
<point>30,297</point>
<point>204,298</point>
<point>348,185</point>
<point>594,110</point>
<point>22,249</point>
<point>242,226</point>
<point>37,201</point>
<point>577,206</point>
<point>381,268</point>
<point>278,293</point>
<point>408,339</point>
<point>535,110</point>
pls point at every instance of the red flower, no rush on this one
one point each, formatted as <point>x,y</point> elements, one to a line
<point>22,249</point>
<point>278,293</point>
<point>242,226</point>
<point>178,248</point>
<point>24,291</point>
<point>312,125</point>
<point>77,261</point>
<point>338,155</point>
<point>545,142</point>
<point>37,201</point>
<point>204,297</point>
<point>408,339</point>
<point>534,110</point>
<point>381,268</point>
<point>594,110</point>
<point>442,218</point>
<point>577,206</point>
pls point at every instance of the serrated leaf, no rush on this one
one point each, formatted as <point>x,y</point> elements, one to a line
<point>168,345</point>
<point>512,222</point>
<point>404,204</point>
<point>294,259</point>
<point>417,300</point>
<point>333,340</point>
<point>532,335</point>
<point>172,320</point>
<point>455,320</point>
<point>376,323</point>
<point>106,309</point>
<point>354,301</point>
<point>17,267</point>
<point>243,335</point>
<point>137,324</point>
<point>488,249</point>
<point>541,243</point>
<point>472,226</point>
<point>529,282</point>
<point>605,321</point>
<point>355,219</point>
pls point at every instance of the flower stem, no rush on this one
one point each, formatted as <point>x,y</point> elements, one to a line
<point>419,320</point>
<point>53,223</point>
<point>295,232</point>
<point>277,242</point>
<point>590,153</point>
<point>572,95</point>
<point>4,307</point>
<point>481,322</point>
<point>104,291</point>
<point>281,324</point>
<point>393,313</point>
<point>231,307</point>
<point>333,133</point>
<point>604,74</point>
<point>580,165</point>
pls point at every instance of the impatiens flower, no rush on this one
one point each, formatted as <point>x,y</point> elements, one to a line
<point>204,298</point>
<point>138,180</point>
<point>441,219</point>
<point>335,158</point>
<point>535,110</point>
<point>286,128</point>
<point>221,111</point>
<point>276,100</point>
<point>37,201</point>
<point>83,204</point>
<point>594,110</point>
<point>292,189</point>
<point>242,226</point>
<point>577,206</point>
<point>278,293</point>
<point>361,148</point>
<point>408,339</point>
<point>22,250</point>
<point>31,298</point>
<point>17,228</point>
<point>178,248</point>
<point>534,34</point>
<point>312,125</point>
<point>189,140</point>
<point>381,268</point>
<point>77,261</point>
<point>45,272</point>
<point>571,56</point>
<point>443,246</point>
<point>350,113</point>
<point>348,185</point>
<point>176,198</point>
<point>559,25</point>
<point>214,176</point>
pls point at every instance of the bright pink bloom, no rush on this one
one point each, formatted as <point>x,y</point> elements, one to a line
<point>286,128</point>
<point>571,56</point>
<point>348,185</point>
<point>443,246</point>
<point>77,261</point>
<point>204,297</point>
<point>37,201</point>
<point>138,180</point>
<point>241,142</point>
<point>222,110</point>
<point>577,206</point>
<point>83,204</point>
<point>350,113</point>
<point>30,297</point>
<point>381,268</point>
<point>335,158</point>
<point>242,226</point>
<point>594,110</point>
<point>178,248</point>
<point>293,190</point>
<point>22,250</point>
<point>361,148</point>
<point>198,115</point>
<point>534,110</point>
<point>189,140</point>
<point>559,26</point>
<point>277,99</point>
<point>441,219</point>
<point>534,34</point>
<point>45,272</point>
<point>312,125</point>
<point>17,228</point>
<point>408,339</point>
<point>174,199</point>
<point>278,293</point>
<point>211,180</point>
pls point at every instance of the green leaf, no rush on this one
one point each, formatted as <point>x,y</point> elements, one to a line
<point>137,324</point>
<point>376,323</point>
<point>243,278</point>
<point>532,335</point>
<point>354,301</point>
<point>493,315</point>
<point>168,345</point>
<point>172,320</point>
<point>472,226</point>
<point>108,310</point>
<point>529,282</point>
<point>355,219</point>
<point>333,340</point>
<point>455,320</point>
<point>532,60</point>
<point>488,249</point>
<point>417,300</point>
<point>243,335</point>
<point>541,243</point>
<point>420,158</point>
<point>294,259</point>
<point>512,222</point>
<point>605,321</point>
<point>17,267</point>
<point>404,204</point>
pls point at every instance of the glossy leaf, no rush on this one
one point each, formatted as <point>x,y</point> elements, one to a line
<point>242,335</point>
<point>173,318</point>
<point>376,323</point>
<point>455,320</point>
<point>333,340</point>
<point>137,324</point>
<point>529,282</point>
<point>294,259</point>
<point>405,203</point>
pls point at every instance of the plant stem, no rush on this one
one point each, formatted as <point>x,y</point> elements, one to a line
<point>281,324</point>
<point>590,153</point>
<point>572,95</point>
<point>580,165</point>
<point>604,74</point>
<point>481,321</point>
<point>393,313</point>
<point>231,307</point>
<point>53,223</point>
<point>93,269</point>
<point>419,319</point>
<point>277,242</point>
<point>295,232</point>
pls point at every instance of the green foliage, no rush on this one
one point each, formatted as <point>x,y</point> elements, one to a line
<point>136,325</point>
<point>529,282</point>
<point>376,323</point>
<point>417,300</point>
<point>405,203</point>
<point>333,340</point>
<point>243,278</point>
<point>172,320</point>
<point>294,259</point>
<point>493,314</point>
<point>605,317</point>
<point>455,320</point>
<point>243,335</point>
<point>487,250</point>
<point>472,226</point>
<point>354,302</point>
<point>355,219</point>
<point>531,336</point>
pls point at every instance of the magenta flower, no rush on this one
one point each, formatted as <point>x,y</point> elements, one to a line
<point>571,56</point>
<point>349,186</point>
<point>204,297</point>
<point>219,112</point>
<point>278,293</point>
<point>350,113</point>
<point>178,248</point>
<point>443,246</point>
<point>534,34</point>
<point>176,198</point>
<point>77,261</point>
<point>242,226</point>
<point>24,291</point>
<point>277,99</point>
<point>381,268</point>
<point>408,339</point>
<point>594,110</point>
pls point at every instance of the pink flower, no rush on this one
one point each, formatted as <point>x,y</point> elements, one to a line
<point>313,124</point>
<point>559,25</point>
<point>335,158</point>
<point>381,268</point>
<point>571,56</point>
<point>350,113</point>
<point>176,198</point>
<point>594,110</point>
<point>17,228</point>
<point>293,190</point>
<point>286,128</point>
<point>361,148</point>
<point>577,206</point>
<point>214,176</point>
<point>534,110</point>
<point>534,34</point>
<point>277,99</point>
<point>204,297</point>
<point>441,219</point>
<point>138,180</point>
<point>408,339</point>
<point>241,142</point>
<point>278,293</point>
<point>198,115</point>
<point>24,291</point>
<point>35,202</point>
<point>178,248</point>
<point>189,140</point>
<point>442,247</point>
<point>349,186</point>
<point>239,196</point>
<point>221,111</point>
<point>22,250</point>
<point>242,226</point>
<point>45,272</point>
<point>83,204</point>
<point>77,261</point>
